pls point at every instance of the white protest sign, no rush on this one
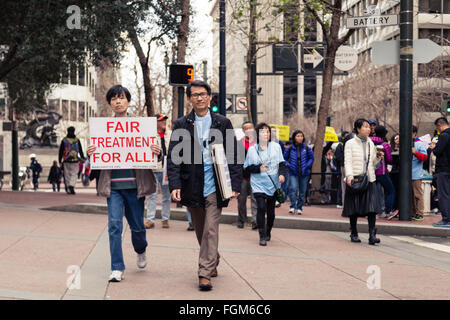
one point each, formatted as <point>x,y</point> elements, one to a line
<point>123,143</point>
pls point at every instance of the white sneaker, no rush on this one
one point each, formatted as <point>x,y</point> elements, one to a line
<point>291,210</point>
<point>116,276</point>
<point>339,206</point>
<point>277,204</point>
<point>141,260</point>
<point>299,211</point>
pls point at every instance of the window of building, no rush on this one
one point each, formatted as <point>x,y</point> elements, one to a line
<point>309,107</point>
<point>65,76</point>
<point>81,75</point>
<point>81,111</point>
<point>434,6</point>
<point>65,109</point>
<point>73,111</point>
<point>53,105</point>
<point>2,108</point>
<point>290,94</point>
<point>73,74</point>
<point>310,29</point>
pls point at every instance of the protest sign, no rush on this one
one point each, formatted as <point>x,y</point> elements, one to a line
<point>123,143</point>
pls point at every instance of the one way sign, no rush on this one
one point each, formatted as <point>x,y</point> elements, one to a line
<point>313,59</point>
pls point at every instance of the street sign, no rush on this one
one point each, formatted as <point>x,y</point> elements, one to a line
<point>388,52</point>
<point>241,104</point>
<point>372,21</point>
<point>313,58</point>
<point>346,58</point>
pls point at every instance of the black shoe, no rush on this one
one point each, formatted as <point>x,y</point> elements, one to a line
<point>355,238</point>
<point>254,226</point>
<point>262,242</point>
<point>441,224</point>
<point>71,190</point>
<point>190,228</point>
<point>240,225</point>
<point>372,237</point>
<point>268,236</point>
<point>417,217</point>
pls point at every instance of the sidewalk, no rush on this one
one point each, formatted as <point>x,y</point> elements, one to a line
<point>40,251</point>
<point>325,218</point>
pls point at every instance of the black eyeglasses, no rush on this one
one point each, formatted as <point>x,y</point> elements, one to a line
<point>202,95</point>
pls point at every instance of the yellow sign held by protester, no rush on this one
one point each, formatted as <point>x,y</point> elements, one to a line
<point>330,135</point>
<point>283,131</point>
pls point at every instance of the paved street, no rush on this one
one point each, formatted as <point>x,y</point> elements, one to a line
<point>40,251</point>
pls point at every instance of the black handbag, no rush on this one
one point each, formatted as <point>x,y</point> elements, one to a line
<point>279,193</point>
<point>360,182</point>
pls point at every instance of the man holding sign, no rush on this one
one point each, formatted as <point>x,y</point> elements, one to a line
<point>122,153</point>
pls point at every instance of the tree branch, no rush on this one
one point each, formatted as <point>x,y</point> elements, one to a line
<point>317,18</point>
<point>162,4</point>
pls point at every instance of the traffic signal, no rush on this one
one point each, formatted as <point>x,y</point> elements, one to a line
<point>214,104</point>
<point>446,106</point>
<point>180,74</point>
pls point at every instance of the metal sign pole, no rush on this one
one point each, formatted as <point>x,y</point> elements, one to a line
<point>406,92</point>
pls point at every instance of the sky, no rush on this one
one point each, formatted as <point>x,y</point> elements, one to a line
<point>200,49</point>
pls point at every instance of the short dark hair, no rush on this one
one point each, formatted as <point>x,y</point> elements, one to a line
<point>116,91</point>
<point>71,130</point>
<point>261,126</point>
<point>441,121</point>
<point>246,122</point>
<point>358,124</point>
<point>198,83</point>
<point>381,132</point>
<point>414,129</point>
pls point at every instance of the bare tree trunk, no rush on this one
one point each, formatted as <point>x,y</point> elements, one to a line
<point>143,61</point>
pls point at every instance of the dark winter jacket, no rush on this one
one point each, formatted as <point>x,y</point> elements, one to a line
<point>306,160</point>
<point>55,174</point>
<point>188,175</point>
<point>442,152</point>
<point>382,170</point>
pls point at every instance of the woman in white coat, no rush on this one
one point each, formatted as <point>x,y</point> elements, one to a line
<point>361,158</point>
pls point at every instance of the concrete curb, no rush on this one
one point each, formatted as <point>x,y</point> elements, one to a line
<point>281,221</point>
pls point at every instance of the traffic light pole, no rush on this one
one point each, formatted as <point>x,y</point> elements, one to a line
<point>180,102</point>
<point>222,67</point>
<point>406,91</point>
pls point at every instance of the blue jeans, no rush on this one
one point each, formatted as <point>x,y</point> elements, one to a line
<point>389,192</point>
<point>297,190</point>
<point>285,184</point>
<point>134,212</point>
<point>189,216</point>
<point>151,200</point>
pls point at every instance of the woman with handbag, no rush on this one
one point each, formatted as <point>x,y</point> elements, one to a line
<point>265,164</point>
<point>361,195</point>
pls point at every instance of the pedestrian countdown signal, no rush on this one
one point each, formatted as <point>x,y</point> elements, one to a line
<point>181,74</point>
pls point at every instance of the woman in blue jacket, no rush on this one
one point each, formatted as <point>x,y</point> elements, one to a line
<point>299,170</point>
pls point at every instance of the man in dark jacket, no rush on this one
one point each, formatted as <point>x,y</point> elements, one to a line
<point>339,161</point>
<point>442,152</point>
<point>192,178</point>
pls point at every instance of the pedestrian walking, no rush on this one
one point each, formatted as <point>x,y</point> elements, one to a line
<point>266,165</point>
<point>162,139</point>
<point>192,179</point>
<point>328,170</point>
<point>54,176</point>
<point>125,190</point>
<point>419,152</point>
<point>382,173</point>
<point>361,196</point>
<point>299,160</point>
<point>442,167</point>
<point>70,153</point>
<point>36,170</point>
<point>394,173</point>
<point>339,161</point>
<point>246,190</point>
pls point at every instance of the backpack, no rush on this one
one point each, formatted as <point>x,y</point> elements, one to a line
<point>71,149</point>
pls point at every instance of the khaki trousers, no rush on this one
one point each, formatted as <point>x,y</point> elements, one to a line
<point>206,223</point>
<point>417,198</point>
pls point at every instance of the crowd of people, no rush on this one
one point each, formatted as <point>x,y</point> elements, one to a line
<point>363,167</point>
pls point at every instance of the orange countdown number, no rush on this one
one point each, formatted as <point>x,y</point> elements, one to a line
<point>190,73</point>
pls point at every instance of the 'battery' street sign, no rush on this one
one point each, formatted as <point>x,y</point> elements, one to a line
<point>372,21</point>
